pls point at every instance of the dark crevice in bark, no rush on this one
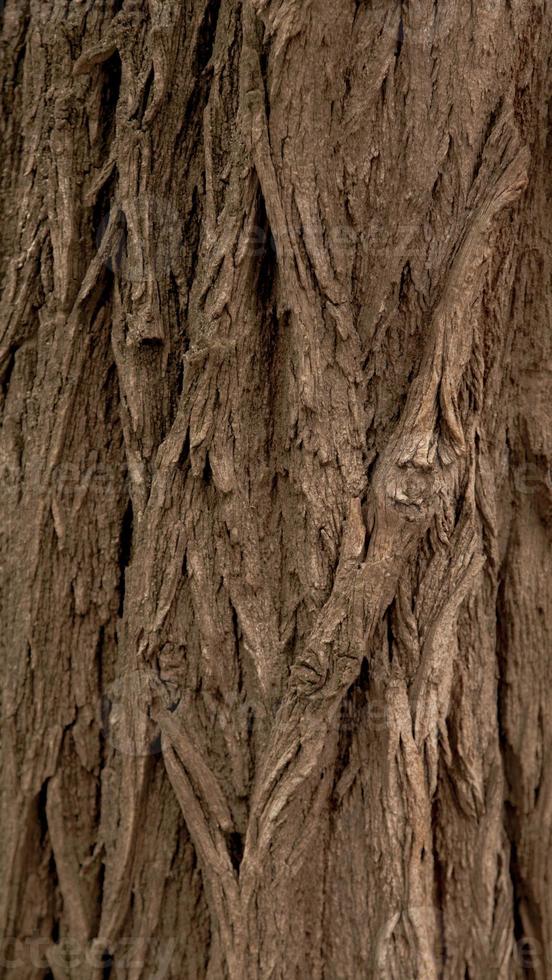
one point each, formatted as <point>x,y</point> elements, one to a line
<point>363,681</point>
<point>144,98</point>
<point>268,259</point>
<point>151,343</point>
<point>207,34</point>
<point>101,208</point>
<point>267,290</point>
<point>207,471</point>
<point>235,844</point>
<point>101,880</point>
<point>19,62</point>
<point>491,123</point>
<point>512,776</point>
<point>179,379</point>
<point>107,964</point>
<point>41,813</point>
<point>519,899</point>
<point>236,635</point>
<point>355,712</point>
<point>120,251</point>
<point>6,370</point>
<point>343,755</point>
<point>193,238</point>
<point>405,283</point>
<point>400,39</point>
<point>111,72</point>
<point>174,295</point>
<point>184,458</point>
<point>100,296</point>
<point>508,759</point>
<point>125,552</point>
<point>389,625</point>
<point>439,877</point>
<point>250,723</point>
<point>191,129</point>
<point>264,56</point>
<point>192,115</point>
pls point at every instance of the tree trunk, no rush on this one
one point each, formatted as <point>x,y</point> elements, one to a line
<point>276,447</point>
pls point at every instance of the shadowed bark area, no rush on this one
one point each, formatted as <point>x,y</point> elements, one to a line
<point>276,484</point>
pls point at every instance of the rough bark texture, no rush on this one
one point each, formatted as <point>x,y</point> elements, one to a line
<point>275,462</point>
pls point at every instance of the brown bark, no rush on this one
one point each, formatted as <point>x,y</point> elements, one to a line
<point>276,463</point>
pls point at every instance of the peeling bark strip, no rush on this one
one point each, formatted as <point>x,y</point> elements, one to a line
<point>276,464</point>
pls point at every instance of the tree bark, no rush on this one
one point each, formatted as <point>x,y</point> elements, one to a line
<point>276,464</point>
